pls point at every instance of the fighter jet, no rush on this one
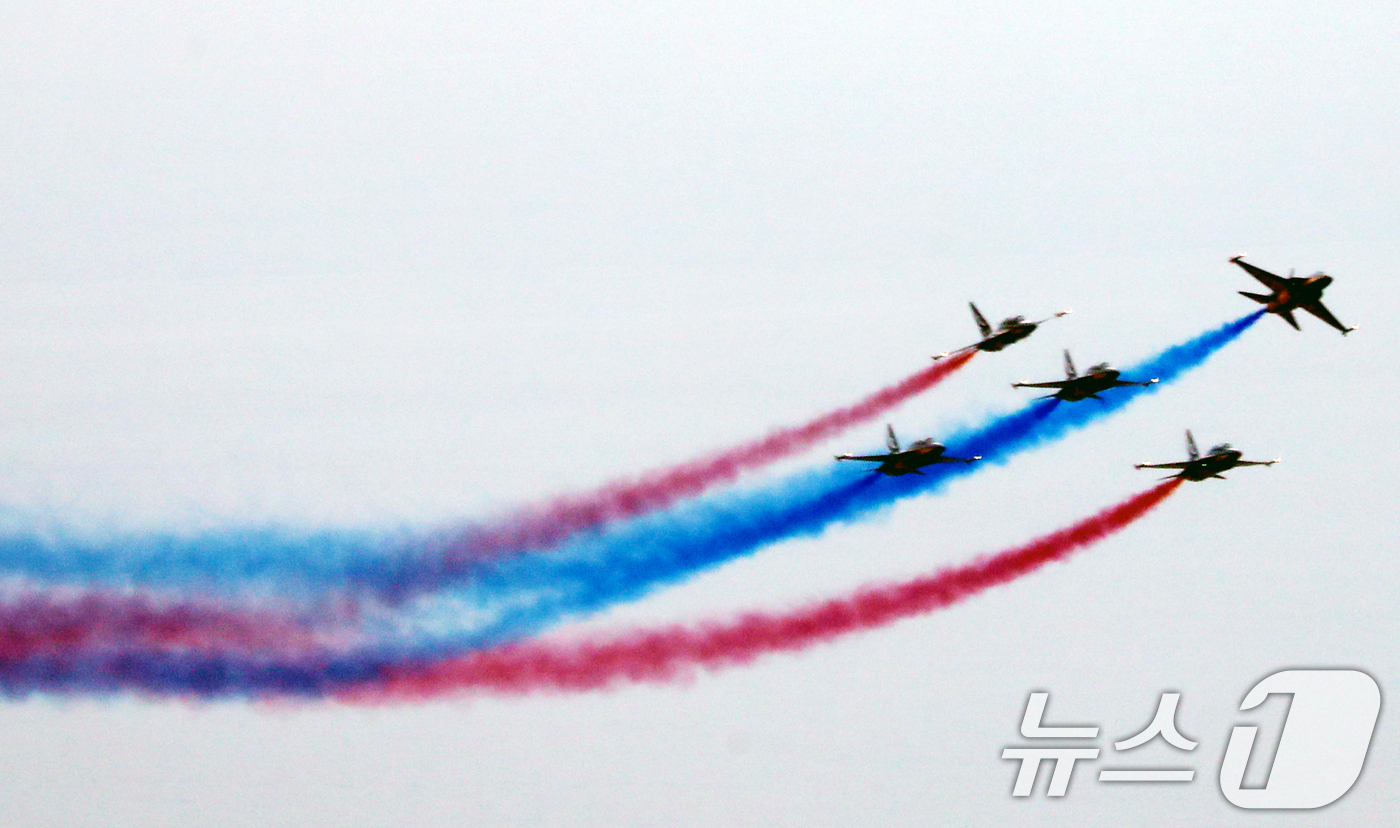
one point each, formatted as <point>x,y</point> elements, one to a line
<point>1012,329</point>
<point>1220,458</point>
<point>921,453</point>
<point>1074,387</point>
<point>1293,293</point>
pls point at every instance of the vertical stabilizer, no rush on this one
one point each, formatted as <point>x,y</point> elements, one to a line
<point>981,322</point>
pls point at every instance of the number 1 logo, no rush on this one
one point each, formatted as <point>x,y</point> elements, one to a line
<point>1324,742</point>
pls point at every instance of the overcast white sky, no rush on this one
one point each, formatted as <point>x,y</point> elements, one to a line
<point>365,266</point>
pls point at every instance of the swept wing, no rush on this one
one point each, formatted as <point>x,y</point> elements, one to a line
<point>1317,309</point>
<point>1271,281</point>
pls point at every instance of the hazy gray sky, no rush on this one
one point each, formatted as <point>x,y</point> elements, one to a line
<point>361,266</point>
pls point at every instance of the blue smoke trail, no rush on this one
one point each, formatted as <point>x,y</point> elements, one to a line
<point>276,560</point>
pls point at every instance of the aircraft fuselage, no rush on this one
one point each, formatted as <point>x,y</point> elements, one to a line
<point>909,462</point>
<point>1210,466</point>
<point>1089,385</point>
<point>998,341</point>
<point>1297,293</point>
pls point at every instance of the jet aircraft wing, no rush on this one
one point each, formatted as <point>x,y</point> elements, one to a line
<point>1274,283</point>
<point>1055,384</point>
<point>1183,464</point>
<point>1317,309</point>
<point>880,457</point>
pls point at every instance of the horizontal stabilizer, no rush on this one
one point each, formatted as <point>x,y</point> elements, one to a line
<point>1258,297</point>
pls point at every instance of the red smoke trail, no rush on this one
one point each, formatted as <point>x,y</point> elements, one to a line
<point>37,625</point>
<point>666,654</point>
<point>551,523</point>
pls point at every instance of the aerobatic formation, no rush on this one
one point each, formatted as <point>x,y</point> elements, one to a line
<point>367,618</point>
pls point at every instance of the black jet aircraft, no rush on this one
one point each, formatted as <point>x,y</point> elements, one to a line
<point>1220,458</point>
<point>1012,329</point>
<point>1074,387</point>
<point>921,453</point>
<point>1292,293</point>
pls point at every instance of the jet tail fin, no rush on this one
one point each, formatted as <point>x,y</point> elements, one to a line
<point>891,441</point>
<point>981,322</point>
<point>1191,450</point>
<point>1069,366</point>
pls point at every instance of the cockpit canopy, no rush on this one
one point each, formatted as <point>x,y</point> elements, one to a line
<point>1220,449</point>
<point>927,442</point>
<point>1102,366</point>
<point>1012,321</point>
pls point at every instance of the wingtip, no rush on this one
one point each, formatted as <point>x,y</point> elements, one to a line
<point>1065,312</point>
<point>1236,259</point>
